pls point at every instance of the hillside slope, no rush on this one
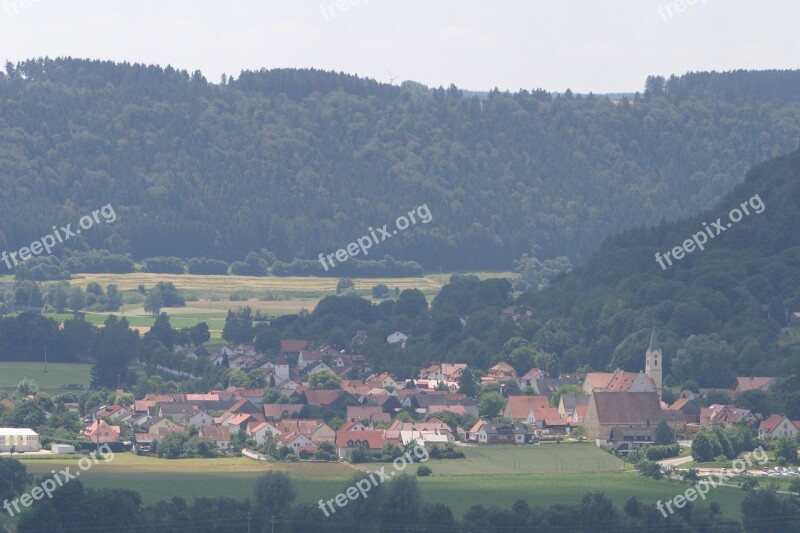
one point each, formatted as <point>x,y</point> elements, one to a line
<point>302,162</point>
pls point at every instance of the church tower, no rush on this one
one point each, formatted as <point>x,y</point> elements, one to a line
<point>653,361</point>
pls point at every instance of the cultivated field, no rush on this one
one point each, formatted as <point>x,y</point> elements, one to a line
<point>458,487</point>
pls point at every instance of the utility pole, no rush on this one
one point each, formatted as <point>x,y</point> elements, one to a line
<point>45,360</point>
<point>249,518</point>
<point>272,520</point>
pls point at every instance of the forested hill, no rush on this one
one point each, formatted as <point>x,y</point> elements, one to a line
<point>300,162</point>
<point>718,311</point>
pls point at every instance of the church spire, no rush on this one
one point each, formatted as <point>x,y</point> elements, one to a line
<point>653,341</point>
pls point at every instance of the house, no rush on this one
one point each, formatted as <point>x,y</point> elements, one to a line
<point>725,415</point>
<point>21,439</point>
<point>549,386</point>
<point>297,442</point>
<point>373,413</point>
<point>528,409</point>
<point>323,397</point>
<point>567,403</point>
<point>114,412</point>
<point>372,441</point>
<point>244,406</point>
<point>502,372</point>
<point>360,337</point>
<point>178,412</point>
<point>443,372</point>
<point>744,384</point>
<point>529,377</point>
<point>292,347</point>
<point>578,414</point>
<point>100,431</point>
<point>8,402</point>
<point>690,410</point>
<point>154,424</point>
<point>776,426</point>
<point>554,426</point>
<point>626,439</point>
<point>426,439</point>
<point>282,367</point>
<point>596,381</point>
<point>382,381</point>
<point>316,367</point>
<point>309,357</point>
<point>278,411</point>
<point>398,337</point>
<point>607,410</point>
<point>259,431</point>
<point>219,435</point>
<point>199,418</point>
<point>622,381</point>
<point>316,430</point>
<point>389,404</point>
<point>489,433</point>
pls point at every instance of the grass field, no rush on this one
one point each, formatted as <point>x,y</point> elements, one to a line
<point>542,475</point>
<point>58,374</point>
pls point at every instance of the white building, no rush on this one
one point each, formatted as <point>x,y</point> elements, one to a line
<point>21,439</point>
<point>398,337</point>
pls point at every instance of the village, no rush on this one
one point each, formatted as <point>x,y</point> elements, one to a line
<point>619,410</point>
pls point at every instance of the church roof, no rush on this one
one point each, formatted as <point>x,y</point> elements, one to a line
<point>653,342</point>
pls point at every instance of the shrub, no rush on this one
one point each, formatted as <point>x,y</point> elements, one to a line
<point>424,471</point>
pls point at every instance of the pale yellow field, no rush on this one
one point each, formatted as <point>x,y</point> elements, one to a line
<point>228,284</point>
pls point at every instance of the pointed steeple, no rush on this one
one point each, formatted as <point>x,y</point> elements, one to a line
<point>653,342</point>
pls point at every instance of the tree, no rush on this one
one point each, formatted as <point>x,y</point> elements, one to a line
<point>199,334</point>
<point>403,502</point>
<point>664,434</point>
<point>162,330</point>
<point>344,284</point>
<point>113,347</point>
<point>467,383</point>
<point>114,298</point>
<point>786,447</point>
<point>381,290</point>
<point>424,471</point>
<point>27,386</point>
<point>275,493</point>
<point>154,302</point>
<point>491,403</point>
<point>702,447</point>
<point>326,451</point>
<point>13,477</point>
<point>411,303</point>
<point>325,380</point>
<point>239,326</point>
<point>77,299</point>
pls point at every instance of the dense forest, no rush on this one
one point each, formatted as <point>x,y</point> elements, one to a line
<point>292,163</point>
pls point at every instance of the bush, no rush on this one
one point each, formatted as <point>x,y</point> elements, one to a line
<point>424,471</point>
<point>649,468</point>
<point>655,453</point>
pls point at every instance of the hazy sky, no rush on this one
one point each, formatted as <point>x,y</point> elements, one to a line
<point>600,46</point>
